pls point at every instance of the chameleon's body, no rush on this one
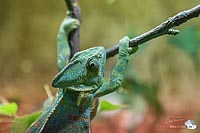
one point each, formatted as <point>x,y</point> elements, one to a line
<point>80,83</point>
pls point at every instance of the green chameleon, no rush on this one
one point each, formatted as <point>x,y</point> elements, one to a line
<point>80,83</point>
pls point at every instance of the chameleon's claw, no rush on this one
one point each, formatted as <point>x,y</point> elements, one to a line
<point>75,23</point>
<point>124,46</point>
<point>70,24</point>
<point>132,50</point>
<point>124,42</point>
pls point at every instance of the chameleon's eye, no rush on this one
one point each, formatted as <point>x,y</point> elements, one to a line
<point>92,66</point>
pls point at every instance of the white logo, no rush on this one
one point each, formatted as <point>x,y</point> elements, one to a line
<point>189,124</point>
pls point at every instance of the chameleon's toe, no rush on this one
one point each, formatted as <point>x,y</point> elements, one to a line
<point>124,43</point>
<point>75,23</point>
<point>70,24</point>
<point>124,46</point>
<point>132,50</point>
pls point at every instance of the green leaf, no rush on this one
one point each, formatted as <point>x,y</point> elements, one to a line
<point>107,106</point>
<point>20,124</point>
<point>188,40</point>
<point>8,109</point>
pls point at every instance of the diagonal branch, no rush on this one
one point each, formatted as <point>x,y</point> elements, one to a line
<point>74,12</point>
<point>163,29</point>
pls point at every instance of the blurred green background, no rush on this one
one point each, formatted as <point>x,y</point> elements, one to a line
<point>166,69</point>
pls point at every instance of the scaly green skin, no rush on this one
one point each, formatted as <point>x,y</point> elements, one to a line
<point>63,47</point>
<point>80,83</point>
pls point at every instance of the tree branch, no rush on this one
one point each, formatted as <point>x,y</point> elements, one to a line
<point>163,29</point>
<point>74,12</point>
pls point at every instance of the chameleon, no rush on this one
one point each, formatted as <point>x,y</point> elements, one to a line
<point>80,83</point>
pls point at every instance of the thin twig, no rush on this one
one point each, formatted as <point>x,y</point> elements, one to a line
<point>163,29</point>
<point>74,12</point>
<point>3,100</point>
<point>48,91</point>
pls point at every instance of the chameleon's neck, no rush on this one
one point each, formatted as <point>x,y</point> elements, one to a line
<point>69,113</point>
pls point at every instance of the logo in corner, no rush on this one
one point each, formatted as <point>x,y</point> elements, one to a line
<point>190,124</point>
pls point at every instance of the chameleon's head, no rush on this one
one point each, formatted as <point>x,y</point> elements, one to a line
<point>84,72</point>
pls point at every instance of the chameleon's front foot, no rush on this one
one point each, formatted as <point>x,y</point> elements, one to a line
<point>124,47</point>
<point>70,24</point>
<point>117,75</point>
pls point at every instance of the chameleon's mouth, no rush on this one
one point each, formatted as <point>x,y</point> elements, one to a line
<point>80,87</point>
<point>68,76</point>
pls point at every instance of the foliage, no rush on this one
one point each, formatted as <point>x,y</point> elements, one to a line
<point>21,123</point>
<point>9,109</point>
<point>107,106</point>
